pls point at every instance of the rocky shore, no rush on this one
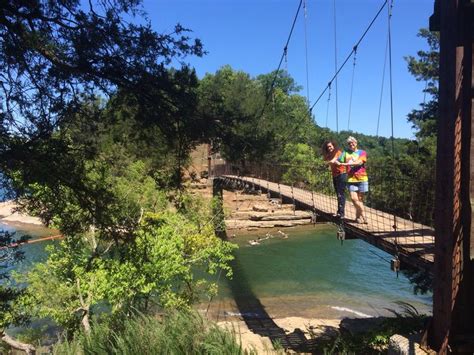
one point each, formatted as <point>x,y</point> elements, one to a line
<point>245,211</point>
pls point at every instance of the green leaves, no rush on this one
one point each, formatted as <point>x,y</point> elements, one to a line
<point>252,122</point>
<point>304,167</point>
<point>425,67</point>
<point>156,262</point>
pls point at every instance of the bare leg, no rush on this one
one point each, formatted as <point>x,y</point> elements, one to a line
<point>361,196</point>
<point>357,204</point>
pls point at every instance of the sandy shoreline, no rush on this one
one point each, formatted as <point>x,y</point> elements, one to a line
<point>9,216</point>
<point>288,328</point>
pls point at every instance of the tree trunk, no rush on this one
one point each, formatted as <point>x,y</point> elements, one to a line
<point>85,322</point>
<point>27,348</point>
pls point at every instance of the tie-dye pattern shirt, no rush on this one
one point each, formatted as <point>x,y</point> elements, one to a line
<point>356,173</point>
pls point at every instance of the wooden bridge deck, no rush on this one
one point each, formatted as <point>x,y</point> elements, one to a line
<point>413,242</point>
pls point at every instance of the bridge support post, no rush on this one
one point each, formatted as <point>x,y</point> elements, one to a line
<point>218,208</point>
<point>453,294</point>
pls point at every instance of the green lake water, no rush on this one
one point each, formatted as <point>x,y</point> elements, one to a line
<point>308,274</point>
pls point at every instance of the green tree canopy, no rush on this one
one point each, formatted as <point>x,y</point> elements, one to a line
<point>254,117</point>
<point>425,67</point>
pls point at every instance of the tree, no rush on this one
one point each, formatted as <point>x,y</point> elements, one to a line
<point>155,267</point>
<point>281,80</point>
<point>301,164</point>
<point>231,100</point>
<point>58,57</point>
<point>55,53</point>
<point>10,314</point>
<point>78,82</point>
<point>426,68</point>
<point>254,117</point>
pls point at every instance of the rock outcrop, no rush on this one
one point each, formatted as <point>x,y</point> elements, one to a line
<point>246,211</point>
<point>255,210</point>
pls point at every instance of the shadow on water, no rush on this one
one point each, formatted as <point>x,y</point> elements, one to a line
<point>251,310</point>
<point>255,316</point>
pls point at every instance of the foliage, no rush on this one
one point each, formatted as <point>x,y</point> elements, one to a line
<point>301,161</point>
<point>57,63</point>
<point>254,117</point>
<point>10,254</point>
<point>426,68</point>
<point>175,333</point>
<point>55,53</point>
<point>91,166</point>
<point>154,266</point>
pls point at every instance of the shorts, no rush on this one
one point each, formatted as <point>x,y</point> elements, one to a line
<point>362,186</point>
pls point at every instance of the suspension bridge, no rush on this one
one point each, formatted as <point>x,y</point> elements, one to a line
<point>411,243</point>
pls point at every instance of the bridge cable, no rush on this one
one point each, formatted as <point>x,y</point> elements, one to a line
<point>269,93</point>
<point>335,65</point>
<point>283,57</point>
<point>350,54</point>
<point>328,86</point>
<point>327,105</point>
<point>306,51</point>
<point>382,87</point>
<point>392,138</point>
<point>396,261</point>
<point>352,89</point>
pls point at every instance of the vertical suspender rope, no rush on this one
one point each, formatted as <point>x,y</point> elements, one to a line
<point>397,266</point>
<point>352,87</point>
<point>327,107</point>
<point>293,198</point>
<point>306,51</point>
<point>313,217</point>
<point>335,66</point>
<point>269,195</point>
<point>381,89</point>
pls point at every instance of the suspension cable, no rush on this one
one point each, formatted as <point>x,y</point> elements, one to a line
<point>335,65</point>
<point>392,138</point>
<point>327,106</point>
<point>352,51</point>
<point>352,89</point>
<point>306,50</point>
<point>283,56</point>
<point>381,89</point>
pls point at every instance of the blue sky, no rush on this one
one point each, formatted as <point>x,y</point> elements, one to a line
<point>250,36</point>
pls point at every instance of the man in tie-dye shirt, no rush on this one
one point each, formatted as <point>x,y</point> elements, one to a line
<point>357,180</point>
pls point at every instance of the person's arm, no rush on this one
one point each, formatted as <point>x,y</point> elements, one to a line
<point>353,163</point>
<point>361,160</point>
<point>339,158</point>
<point>334,159</point>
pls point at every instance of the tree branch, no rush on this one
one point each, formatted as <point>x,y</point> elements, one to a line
<point>27,348</point>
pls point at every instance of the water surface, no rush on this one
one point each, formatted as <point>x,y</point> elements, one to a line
<point>310,274</point>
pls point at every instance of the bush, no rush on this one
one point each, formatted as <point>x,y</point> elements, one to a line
<point>175,333</point>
